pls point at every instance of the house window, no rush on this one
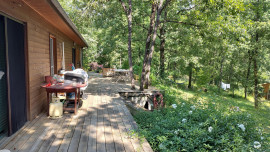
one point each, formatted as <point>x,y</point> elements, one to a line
<point>53,55</point>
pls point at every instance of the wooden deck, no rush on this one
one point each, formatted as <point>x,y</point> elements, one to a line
<point>102,124</point>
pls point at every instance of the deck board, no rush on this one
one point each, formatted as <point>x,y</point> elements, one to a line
<point>29,143</point>
<point>74,143</point>
<point>124,133</point>
<point>85,132</point>
<point>92,141</point>
<point>47,141</point>
<point>119,147</point>
<point>110,145</point>
<point>68,135</point>
<point>60,136</point>
<point>103,124</point>
<point>9,142</point>
<point>29,131</point>
<point>101,146</point>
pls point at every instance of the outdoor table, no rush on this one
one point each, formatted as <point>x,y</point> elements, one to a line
<point>121,74</point>
<point>63,87</point>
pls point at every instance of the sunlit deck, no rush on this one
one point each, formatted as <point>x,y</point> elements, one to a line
<point>102,124</point>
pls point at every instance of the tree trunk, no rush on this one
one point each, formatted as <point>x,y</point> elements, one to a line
<point>248,72</point>
<point>233,92</point>
<point>190,75</point>
<point>129,17</point>
<point>152,48</point>
<point>255,83</point>
<point>169,66</point>
<point>162,46</point>
<point>255,70</point>
<point>220,72</point>
<point>174,75</point>
<point>231,75</point>
<point>147,44</point>
<point>195,76</point>
<point>254,58</point>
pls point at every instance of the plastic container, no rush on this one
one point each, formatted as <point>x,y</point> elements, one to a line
<point>56,109</point>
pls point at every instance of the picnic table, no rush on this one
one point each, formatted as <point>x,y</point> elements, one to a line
<point>64,87</point>
<point>121,74</point>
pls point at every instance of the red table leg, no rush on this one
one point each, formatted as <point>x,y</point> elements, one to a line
<point>75,104</point>
<point>79,95</point>
<point>48,102</point>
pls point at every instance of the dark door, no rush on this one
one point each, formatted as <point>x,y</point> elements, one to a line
<point>74,56</point>
<point>3,82</point>
<point>17,77</point>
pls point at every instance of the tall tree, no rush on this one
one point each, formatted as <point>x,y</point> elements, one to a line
<point>254,60</point>
<point>128,12</point>
<point>221,71</point>
<point>257,18</point>
<point>248,72</point>
<point>148,42</point>
<point>162,45</point>
<point>147,64</point>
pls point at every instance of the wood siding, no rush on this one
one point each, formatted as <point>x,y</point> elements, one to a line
<point>38,32</point>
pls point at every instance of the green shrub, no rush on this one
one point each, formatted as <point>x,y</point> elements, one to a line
<point>201,127</point>
<point>137,69</point>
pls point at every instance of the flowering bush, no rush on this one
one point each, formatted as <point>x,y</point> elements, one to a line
<point>186,127</point>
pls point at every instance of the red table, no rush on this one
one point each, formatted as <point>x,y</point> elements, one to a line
<point>57,88</point>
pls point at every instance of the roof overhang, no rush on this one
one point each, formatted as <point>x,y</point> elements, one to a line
<point>52,11</point>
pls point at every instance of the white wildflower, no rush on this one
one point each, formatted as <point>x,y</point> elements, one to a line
<point>184,120</point>
<point>210,129</point>
<point>182,104</point>
<point>262,138</point>
<point>174,106</point>
<point>257,145</point>
<point>260,131</point>
<point>161,146</point>
<point>241,126</point>
<point>190,112</point>
<point>193,107</point>
<point>176,131</point>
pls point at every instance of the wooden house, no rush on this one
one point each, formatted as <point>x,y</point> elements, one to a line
<point>36,39</point>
